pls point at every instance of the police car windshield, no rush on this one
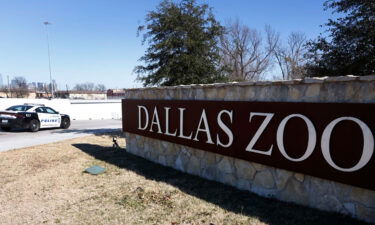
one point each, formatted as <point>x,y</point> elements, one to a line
<point>19,108</point>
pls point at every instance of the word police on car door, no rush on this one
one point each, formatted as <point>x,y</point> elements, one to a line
<point>48,117</point>
<point>329,140</point>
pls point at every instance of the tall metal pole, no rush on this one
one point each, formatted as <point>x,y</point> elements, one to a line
<point>49,59</point>
<point>10,93</point>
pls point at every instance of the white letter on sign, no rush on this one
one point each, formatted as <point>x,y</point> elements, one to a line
<point>259,132</point>
<point>311,141</point>
<point>368,144</point>
<point>167,123</point>
<point>155,121</point>
<point>206,128</point>
<point>225,128</point>
<point>181,135</point>
<point>144,109</point>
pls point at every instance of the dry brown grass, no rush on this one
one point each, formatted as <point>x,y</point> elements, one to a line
<point>46,185</point>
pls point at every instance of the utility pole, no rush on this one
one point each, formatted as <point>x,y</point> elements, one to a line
<point>10,93</point>
<point>49,58</point>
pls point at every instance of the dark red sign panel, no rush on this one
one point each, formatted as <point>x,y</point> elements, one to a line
<point>334,141</point>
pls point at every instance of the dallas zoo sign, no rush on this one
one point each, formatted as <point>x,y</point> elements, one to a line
<point>329,140</point>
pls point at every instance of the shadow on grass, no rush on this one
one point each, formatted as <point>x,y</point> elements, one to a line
<point>95,131</point>
<point>229,198</point>
<point>99,131</point>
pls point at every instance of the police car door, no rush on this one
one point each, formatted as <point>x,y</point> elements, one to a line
<point>48,117</point>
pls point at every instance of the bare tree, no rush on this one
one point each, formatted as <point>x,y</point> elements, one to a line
<point>100,87</point>
<point>245,53</point>
<point>88,86</point>
<point>46,89</point>
<point>290,58</point>
<point>20,87</point>
<point>5,90</point>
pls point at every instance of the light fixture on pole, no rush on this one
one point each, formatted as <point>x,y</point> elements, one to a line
<point>49,58</point>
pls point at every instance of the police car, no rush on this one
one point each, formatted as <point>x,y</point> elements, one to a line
<point>32,117</point>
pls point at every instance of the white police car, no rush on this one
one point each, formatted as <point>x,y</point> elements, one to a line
<point>32,117</point>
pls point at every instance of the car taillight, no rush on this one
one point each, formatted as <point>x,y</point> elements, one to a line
<point>20,116</point>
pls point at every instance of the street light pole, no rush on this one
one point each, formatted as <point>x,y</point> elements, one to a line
<point>49,59</point>
<point>10,93</point>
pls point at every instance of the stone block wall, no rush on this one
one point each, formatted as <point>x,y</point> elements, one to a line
<point>263,180</point>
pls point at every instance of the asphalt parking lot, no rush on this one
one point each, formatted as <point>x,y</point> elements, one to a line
<point>79,128</point>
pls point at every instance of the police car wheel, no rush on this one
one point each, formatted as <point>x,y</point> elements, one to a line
<point>34,125</point>
<point>6,128</point>
<point>65,123</point>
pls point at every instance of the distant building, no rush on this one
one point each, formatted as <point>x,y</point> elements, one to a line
<point>32,86</point>
<point>1,81</point>
<point>40,86</point>
<point>115,93</point>
<point>16,93</point>
<point>3,94</point>
<point>84,95</point>
<point>13,83</point>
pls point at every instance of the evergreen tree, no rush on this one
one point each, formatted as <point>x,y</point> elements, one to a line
<point>350,46</point>
<point>183,49</point>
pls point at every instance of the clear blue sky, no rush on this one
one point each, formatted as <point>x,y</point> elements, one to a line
<point>96,41</point>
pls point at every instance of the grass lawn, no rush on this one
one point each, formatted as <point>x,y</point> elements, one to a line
<point>46,185</point>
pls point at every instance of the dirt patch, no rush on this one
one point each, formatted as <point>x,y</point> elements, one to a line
<point>46,185</point>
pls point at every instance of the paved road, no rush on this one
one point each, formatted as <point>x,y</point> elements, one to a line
<point>79,128</point>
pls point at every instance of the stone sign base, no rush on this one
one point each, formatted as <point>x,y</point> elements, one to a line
<point>263,180</point>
